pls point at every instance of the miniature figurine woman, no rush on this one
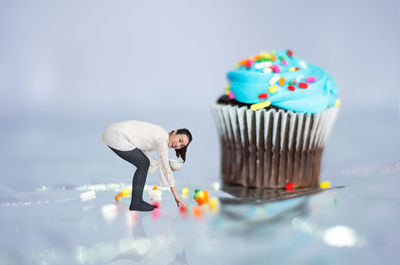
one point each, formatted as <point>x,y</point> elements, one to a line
<point>133,141</point>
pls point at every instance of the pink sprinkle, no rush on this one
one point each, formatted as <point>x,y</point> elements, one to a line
<point>276,68</point>
<point>231,95</point>
<point>295,82</point>
<point>311,79</point>
<point>249,63</point>
<point>284,62</point>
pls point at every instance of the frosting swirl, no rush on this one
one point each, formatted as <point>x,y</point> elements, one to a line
<point>279,79</point>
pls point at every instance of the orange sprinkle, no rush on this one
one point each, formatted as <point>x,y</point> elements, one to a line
<point>197,212</point>
<point>119,195</point>
<point>257,57</point>
<point>243,62</point>
<point>206,196</point>
<point>281,81</point>
<point>155,188</point>
<point>273,58</point>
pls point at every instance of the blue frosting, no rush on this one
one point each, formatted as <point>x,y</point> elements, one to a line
<point>247,82</point>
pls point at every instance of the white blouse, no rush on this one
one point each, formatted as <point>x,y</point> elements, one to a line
<point>128,135</point>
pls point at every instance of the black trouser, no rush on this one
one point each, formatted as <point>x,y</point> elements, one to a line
<point>137,158</point>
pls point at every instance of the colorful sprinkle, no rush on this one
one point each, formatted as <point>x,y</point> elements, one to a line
<point>281,81</point>
<point>243,62</point>
<point>262,65</point>
<point>276,68</point>
<point>296,69</point>
<point>267,70</point>
<point>302,64</point>
<point>231,95</point>
<point>274,79</point>
<point>263,95</point>
<point>311,79</point>
<point>197,212</point>
<point>260,105</point>
<point>325,185</point>
<point>155,188</point>
<point>273,58</point>
<point>292,88</point>
<point>185,191</point>
<point>289,186</point>
<point>292,69</point>
<point>291,83</point>
<point>249,63</point>
<point>281,58</point>
<point>303,85</point>
<point>337,103</point>
<point>126,192</point>
<point>272,89</point>
<point>257,58</point>
<point>284,62</point>
<point>118,196</point>
<point>289,53</point>
<point>227,89</point>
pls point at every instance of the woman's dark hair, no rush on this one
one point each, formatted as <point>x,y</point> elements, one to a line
<point>182,152</point>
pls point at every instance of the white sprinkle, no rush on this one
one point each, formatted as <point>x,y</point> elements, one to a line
<point>88,195</point>
<point>262,65</point>
<point>216,185</point>
<point>302,64</point>
<point>274,79</point>
<point>267,70</point>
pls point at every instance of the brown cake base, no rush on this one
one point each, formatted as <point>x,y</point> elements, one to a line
<point>270,148</point>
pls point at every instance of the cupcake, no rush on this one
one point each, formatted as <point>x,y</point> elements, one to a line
<point>274,121</point>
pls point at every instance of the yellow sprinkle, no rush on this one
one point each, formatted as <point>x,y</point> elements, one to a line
<point>214,204</point>
<point>273,89</point>
<point>292,69</point>
<point>337,103</point>
<point>260,105</point>
<point>185,191</point>
<point>227,89</point>
<point>126,192</point>
<point>236,66</point>
<point>325,185</point>
<point>265,55</point>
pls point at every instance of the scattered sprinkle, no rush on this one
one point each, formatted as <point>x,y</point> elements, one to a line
<point>325,185</point>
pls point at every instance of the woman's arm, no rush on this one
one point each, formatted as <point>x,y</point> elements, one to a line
<point>177,199</point>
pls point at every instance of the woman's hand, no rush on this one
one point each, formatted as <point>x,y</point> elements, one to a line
<point>174,169</point>
<point>179,201</point>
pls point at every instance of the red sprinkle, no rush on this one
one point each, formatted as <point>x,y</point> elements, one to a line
<point>249,63</point>
<point>292,88</point>
<point>289,53</point>
<point>289,186</point>
<point>296,68</point>
<point>263,95</point>
<point>303,85</point>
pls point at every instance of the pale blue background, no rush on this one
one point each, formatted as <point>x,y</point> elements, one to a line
<point>69,68</point>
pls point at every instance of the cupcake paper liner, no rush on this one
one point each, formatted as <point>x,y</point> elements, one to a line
<point>270,148</point>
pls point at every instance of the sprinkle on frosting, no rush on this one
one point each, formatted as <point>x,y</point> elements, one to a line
<point>260,105</point>
<point>276,75</point>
